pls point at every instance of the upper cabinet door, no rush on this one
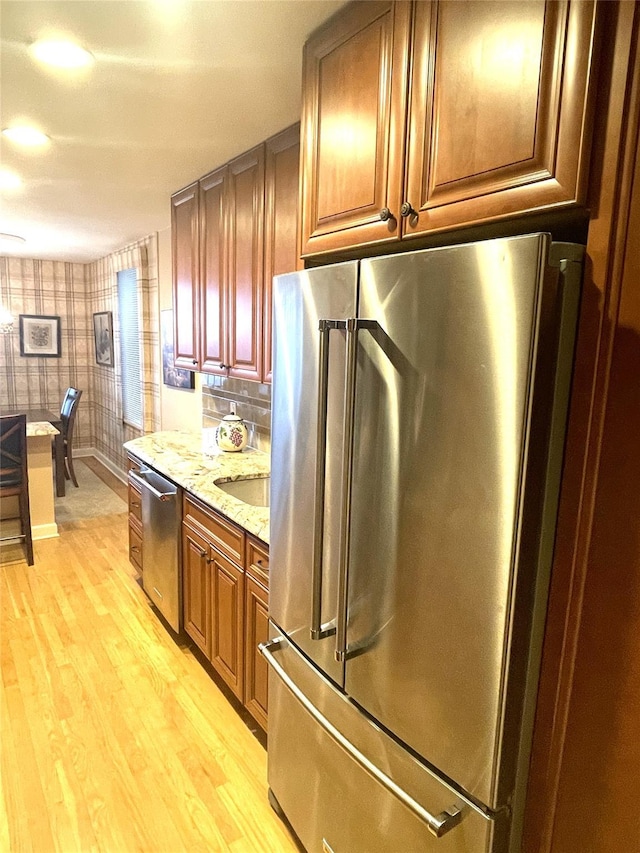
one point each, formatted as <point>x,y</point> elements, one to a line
<point>213,271</point>
<point>498,117</point>
<point>184,239</point>
<point>245,241</point>
<point>354,104</point>
<point>281,253</point>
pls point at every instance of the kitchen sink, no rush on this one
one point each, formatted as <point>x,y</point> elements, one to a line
<point>251,490</point>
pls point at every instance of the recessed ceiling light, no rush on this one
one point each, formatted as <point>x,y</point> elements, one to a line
<point>12,238</point>
<point>24,135</point>
<point>62,54</point>
<point>9,180</point>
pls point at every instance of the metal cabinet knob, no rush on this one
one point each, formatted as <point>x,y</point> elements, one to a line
<point>407,210</point>
<point>385,214</point>
<point>194,360</point>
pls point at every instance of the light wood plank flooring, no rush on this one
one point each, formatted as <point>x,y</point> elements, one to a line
<point>113,737</point>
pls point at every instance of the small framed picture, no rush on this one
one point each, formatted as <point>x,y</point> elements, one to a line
<point>40,336</point>
<point>103,334</point>
<point>177,377</point>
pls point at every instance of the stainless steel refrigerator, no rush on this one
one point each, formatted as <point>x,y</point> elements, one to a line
<point>418,418</point>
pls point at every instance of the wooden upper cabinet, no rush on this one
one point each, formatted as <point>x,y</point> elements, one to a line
<point>443,114</point>
<point>354,97</point>
<point>245,273</point>
<point>281,254</point>
<point>185,259</point>
<point>213,263</point>
<point>499,110</point>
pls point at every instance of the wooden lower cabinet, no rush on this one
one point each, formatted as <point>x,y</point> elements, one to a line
<point>227,621</point>
<point>135,525</point>
<point>196,588</point>
<point>225,601</point>
<point>256,627</point>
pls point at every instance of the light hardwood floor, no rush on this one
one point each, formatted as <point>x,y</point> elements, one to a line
<point>113,737</point>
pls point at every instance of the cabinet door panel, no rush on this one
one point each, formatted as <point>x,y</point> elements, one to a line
<point>353,126</point>
<point>227,621</point>
<point>256,628</point>
<point>281,255</point>
<point>212,271</point>
<point>246,215</point>
<point>498,111</point>
<point>184,248</point>
<point>196,589</point>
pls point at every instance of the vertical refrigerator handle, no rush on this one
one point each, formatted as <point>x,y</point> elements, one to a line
<point>352,325</point>
<point>317,630</point>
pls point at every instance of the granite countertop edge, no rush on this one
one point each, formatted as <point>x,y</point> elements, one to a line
<point>41,428</point>
<point>192,461</point>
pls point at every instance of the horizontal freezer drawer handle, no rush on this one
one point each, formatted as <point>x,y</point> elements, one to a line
<point>163,496</point>
<point>438,825</point>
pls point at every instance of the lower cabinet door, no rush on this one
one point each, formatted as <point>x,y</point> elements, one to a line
<point>135,543</point>
<point>256,631</point>
<point>227,621</point>
<point>196,589</point>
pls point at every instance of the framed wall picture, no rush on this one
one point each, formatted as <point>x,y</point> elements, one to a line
<point>174,376</point>
<point>40,336</point>
<point>103,334</point>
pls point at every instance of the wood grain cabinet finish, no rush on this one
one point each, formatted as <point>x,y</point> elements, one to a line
<point>186,277</point>
<point>440,115</point>
<point>227,641</point>
<point>212,306</point>
<point>499,120</point>
<point>246,271</point>
<point>256,628</point>
<point>222,309</point>
<point>135,522</point>
<point>354,103</point>
<point>196,588</point>
<point>225,600</point>
<point>281,255</point>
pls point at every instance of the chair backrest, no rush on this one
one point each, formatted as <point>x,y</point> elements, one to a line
<point>13,450</point>
<point>68,412</point>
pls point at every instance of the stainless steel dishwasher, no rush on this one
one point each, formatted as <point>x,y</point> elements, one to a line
<point>161,525</point>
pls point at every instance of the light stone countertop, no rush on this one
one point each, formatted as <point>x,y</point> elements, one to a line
<point>192,461</point>
<point>41,428</point>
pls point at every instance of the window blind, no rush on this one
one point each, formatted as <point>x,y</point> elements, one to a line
<point>130,345</point>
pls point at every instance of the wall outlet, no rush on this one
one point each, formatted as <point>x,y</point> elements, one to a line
<point>232,408</point>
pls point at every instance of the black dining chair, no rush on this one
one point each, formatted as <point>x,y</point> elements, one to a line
<point>68,419</point>
<point>14,479</point>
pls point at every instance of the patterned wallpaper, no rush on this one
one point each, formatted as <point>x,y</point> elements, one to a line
<point>51,288</point>
<point>74,292</point>
<point>109,432</point>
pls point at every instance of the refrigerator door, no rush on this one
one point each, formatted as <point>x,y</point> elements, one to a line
<point>443,395</point>
<point>347,787</point>
<point>299,518</point>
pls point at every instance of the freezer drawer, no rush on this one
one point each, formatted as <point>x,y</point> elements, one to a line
<point>348,787</point>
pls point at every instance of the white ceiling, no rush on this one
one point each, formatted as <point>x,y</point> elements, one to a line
<point>178,88</point>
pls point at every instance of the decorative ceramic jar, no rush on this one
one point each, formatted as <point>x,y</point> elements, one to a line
<point>232,433</point>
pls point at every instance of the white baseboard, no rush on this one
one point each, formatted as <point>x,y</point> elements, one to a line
<point>44,531</point>
<point>91,451</point>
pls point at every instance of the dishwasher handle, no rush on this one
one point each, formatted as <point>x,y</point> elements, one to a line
<point>143,483</point>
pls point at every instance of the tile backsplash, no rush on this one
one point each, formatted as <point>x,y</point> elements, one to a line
<point>253,405</point>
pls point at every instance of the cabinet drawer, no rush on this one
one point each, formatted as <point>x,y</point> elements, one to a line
<point>135,545</point>
<point>220,532</point>
<point>258,560</point>
<point>135,502</point>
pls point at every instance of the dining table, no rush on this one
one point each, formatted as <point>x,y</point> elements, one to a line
<point>44,416</point>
